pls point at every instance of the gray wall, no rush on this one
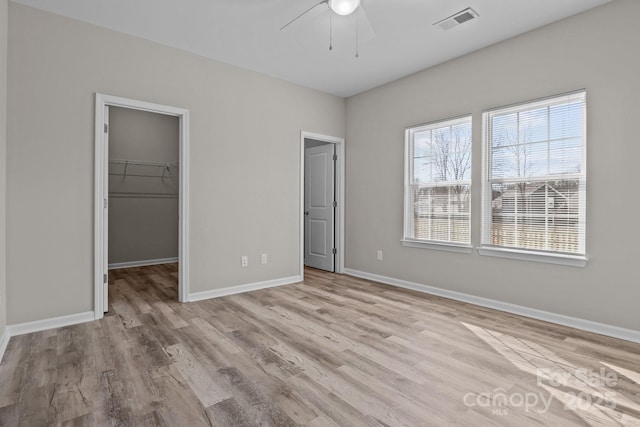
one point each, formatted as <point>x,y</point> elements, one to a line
<point>596,50</point>
<point>244,171</point>
<point>143,210</point>
<point>3,163</point>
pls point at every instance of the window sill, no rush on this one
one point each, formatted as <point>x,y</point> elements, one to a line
<point>549,258</point>
<point>448,247</point>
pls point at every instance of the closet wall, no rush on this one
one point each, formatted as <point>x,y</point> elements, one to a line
<point>143,186</point>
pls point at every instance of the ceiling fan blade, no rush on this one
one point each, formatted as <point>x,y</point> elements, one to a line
<point>365,29</point>
<point>303,13</point>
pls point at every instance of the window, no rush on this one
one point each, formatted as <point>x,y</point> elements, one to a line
<point>535,177</point>
<point>438,184</point>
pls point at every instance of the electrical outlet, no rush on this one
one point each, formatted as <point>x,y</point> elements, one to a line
<point>263,259</point>
<point>379,255</point>
<point>244,261</point>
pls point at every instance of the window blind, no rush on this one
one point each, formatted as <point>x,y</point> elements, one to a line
<point>438,182</point>
<point>535,175</point>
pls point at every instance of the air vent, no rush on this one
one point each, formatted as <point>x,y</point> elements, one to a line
<point>456,19</point>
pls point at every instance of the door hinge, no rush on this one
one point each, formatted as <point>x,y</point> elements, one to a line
<point>106,203</point>
<point>104,278</point>
<point>106,128</point>
<point>335,251</point>
<point>335,156</point>
<point>335,204</point>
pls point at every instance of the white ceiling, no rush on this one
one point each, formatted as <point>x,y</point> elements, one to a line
<point>247,33</point>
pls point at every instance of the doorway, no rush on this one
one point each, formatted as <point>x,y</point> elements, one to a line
<point>129,167</point>
<point>322,202</point>
<point>144,174</point>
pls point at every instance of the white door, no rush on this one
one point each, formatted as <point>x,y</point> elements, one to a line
<point>319,207</point>
<point>105,227</point>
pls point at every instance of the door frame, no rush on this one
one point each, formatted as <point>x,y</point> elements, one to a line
<point>102,176</point>
<point>339,196</point>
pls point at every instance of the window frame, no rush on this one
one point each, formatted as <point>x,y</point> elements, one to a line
<point>408,218</point>
<point>552,257</point>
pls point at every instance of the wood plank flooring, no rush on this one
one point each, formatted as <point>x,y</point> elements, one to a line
<point>330,351</point>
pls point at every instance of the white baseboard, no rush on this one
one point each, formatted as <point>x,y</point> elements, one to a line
<point>73,319</point>
<point>142,263</point>
<point>54,322</point>
<point>560,319</point>
<point>231,290</point>
<point>3,342</point>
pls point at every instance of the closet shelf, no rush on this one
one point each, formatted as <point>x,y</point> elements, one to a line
<point>141,168</point>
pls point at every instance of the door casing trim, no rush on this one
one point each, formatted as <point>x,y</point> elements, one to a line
<point>340,196</point>
<point>102,101</point>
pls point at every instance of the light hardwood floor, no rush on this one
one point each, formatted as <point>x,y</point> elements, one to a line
<point>332,350</point>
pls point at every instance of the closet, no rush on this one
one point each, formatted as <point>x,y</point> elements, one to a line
<point>143,188</point>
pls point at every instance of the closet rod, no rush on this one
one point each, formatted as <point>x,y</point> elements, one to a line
<point>120,195</point>
<point>141,175</point>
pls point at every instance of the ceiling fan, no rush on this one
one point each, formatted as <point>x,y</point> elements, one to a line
<point>342,8</point>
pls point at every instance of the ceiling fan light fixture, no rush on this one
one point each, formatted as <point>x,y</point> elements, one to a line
<point>344,7</point>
